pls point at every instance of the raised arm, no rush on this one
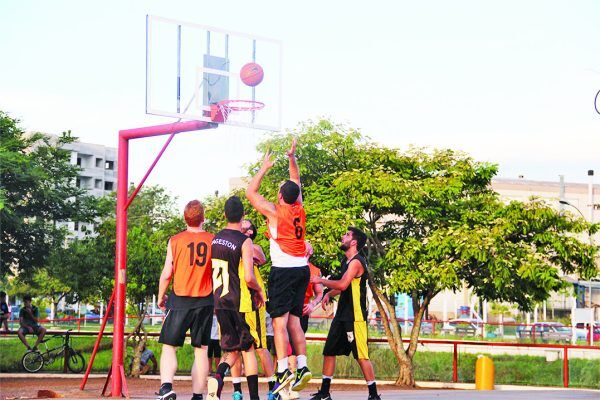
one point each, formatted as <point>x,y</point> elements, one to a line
<point>257,200</point>
<point>165,277</point>
<point>294,171</point>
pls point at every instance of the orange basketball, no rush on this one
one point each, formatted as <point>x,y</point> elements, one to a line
<point>251,74</point>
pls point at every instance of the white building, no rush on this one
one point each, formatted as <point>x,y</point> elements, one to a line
<point>98,175</point>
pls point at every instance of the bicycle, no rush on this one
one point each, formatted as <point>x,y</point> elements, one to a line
<point>34,360</point>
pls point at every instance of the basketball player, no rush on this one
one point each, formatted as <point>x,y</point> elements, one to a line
<point>289,276</point>
<point>348,331</point>
<point>236,292</point>
<point>190,305</point>
<point>257,320</point>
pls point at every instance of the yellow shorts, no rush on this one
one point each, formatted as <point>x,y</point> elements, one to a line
<point>258,330</point>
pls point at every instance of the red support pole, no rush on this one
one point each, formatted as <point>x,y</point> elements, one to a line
<point>120,267</point>
<point>97,344</point>
<point>118,384</point>
<point>566,367</point>
<point>455,363</point>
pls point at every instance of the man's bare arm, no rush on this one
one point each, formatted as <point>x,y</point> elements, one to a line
<point>354,270</point>
<point>165,277</point>
<point>248,260</point>
<point>257,200</point>
<point>259,255</point>
<point>294,170</point>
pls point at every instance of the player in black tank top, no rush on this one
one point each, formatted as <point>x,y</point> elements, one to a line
<point>232,257</point>
<point>348,331</point>
<point>357,288</point>
<point>227,256</point>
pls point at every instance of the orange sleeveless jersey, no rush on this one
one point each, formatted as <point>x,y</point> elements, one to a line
<point>291,228</point>
<point>192,266</point>
<point>314,271</point>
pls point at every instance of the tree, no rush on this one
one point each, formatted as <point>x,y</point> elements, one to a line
<point>433,222</point>
<point>38,190</point>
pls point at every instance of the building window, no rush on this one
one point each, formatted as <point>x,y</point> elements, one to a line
<point>98,183</point>
<point>109,165</point>
<point>78,182</point>
<point>108,185</point>
<point>99,162</point>
<point>79,161</point>
<point>76,226</point>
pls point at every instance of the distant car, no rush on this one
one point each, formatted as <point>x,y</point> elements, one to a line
<point>582,331</point>
<point>92,317</point>
<point>426,327</point>
<point>463,327</point>
<point>545,331</point>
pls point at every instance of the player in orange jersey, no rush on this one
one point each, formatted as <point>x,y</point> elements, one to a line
<point>290,275</point>
<point>190,306</point>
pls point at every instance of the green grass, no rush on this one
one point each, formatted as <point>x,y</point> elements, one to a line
<point>429,366</point>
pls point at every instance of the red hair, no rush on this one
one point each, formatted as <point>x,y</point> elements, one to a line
<point>193,213</point>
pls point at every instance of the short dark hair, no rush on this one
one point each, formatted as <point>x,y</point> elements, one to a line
<point>290,191</point>
<point>2,293</point>
<point>234,209</point>
<point>27,297</point>
<point>253,227</point>
<point>359,236</point>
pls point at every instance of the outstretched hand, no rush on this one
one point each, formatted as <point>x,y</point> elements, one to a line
<point>292,151</point>
<point>268,160</point>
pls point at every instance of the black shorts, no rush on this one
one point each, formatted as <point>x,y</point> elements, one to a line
<point>347,337</point>
<point>287,287</point>
<point>214,349</point>
<point>235,332</point>
<point>177,322</point>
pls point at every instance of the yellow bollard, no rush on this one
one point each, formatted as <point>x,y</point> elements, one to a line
<point>484,373</point>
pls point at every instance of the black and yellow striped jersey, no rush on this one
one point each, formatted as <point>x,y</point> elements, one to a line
<point>352,305</point>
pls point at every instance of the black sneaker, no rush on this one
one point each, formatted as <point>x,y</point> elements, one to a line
<point>303,376</point>
<point>283,379</point>
<point>320,396</point>
<point>164,394</point>
<point>374,397</point>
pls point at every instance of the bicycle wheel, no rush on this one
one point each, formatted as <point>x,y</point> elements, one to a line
<point>32,361</point>
<point>75,362</point>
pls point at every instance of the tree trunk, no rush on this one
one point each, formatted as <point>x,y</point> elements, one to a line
<point>394,337</point>
<point>406,376</point>
<point>138,342</point>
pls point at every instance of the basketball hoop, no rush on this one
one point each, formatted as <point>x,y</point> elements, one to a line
<point>220,112</point>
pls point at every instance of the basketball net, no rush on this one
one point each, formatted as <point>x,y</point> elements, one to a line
<point>221,111</point>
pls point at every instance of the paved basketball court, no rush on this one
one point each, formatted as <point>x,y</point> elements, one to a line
<point>22,386</point>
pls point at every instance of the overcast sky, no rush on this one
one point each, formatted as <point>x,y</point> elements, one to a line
<point>510,82</point>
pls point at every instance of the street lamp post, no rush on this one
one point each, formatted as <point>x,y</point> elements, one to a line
<point>591,243</point>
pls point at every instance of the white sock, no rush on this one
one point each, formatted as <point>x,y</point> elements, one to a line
<point>271,378</point>
<point>282,364</point>
<point>369,383</point>
<point>301,361</point>
<point>237,380</point>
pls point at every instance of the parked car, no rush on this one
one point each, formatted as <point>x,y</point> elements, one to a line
<point>463,327</point>
<point>92,317</point>
<point>582,331</point>
<point>426,327</point>
<point>545,331</point>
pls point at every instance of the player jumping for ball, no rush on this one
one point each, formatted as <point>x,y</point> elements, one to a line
<point>290,275</point>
